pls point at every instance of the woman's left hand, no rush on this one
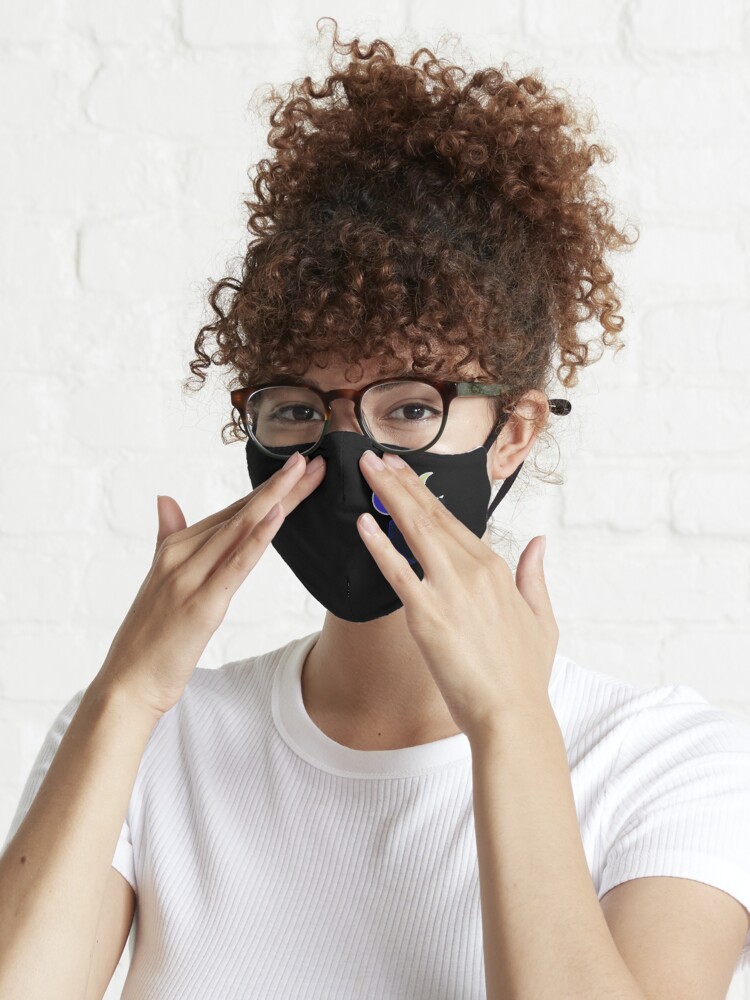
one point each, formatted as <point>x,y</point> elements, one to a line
<point>488,641</point>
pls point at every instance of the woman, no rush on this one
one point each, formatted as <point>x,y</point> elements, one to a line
<point>424,798</point>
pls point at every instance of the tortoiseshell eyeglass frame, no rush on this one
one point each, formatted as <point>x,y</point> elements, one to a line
<point>448,391</point>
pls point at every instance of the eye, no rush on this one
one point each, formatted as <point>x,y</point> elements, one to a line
<point>301,414</point>
<point>411,408</point>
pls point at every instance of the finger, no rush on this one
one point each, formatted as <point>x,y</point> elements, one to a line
<point>234,566</point>
<point>433,533</point>
<point>395,568</point>
<point>301,488</point>
<point>531,581</point>
<point>218,516</point>
<point>222,515</point>
<point>289,488</point>
<point>170,518</point>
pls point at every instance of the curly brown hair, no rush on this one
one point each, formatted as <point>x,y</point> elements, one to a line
<point>410,210</point>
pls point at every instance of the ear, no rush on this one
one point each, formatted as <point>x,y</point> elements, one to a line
<point>514,442</point>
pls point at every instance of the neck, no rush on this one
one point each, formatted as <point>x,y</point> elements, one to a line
<point>366,685</point>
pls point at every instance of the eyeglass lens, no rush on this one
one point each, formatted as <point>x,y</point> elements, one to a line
<point>400,415</point>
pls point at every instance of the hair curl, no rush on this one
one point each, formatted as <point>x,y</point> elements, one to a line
<point>410,210</point>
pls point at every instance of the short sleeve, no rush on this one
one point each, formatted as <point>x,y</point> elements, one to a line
<point>678,799</point>
<point>123,859</point>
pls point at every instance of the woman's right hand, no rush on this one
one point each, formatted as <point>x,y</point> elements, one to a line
<point>193,576</point>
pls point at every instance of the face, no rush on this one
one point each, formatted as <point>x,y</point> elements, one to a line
<point>470,419</point>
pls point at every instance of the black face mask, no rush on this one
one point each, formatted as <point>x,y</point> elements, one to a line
<point>320,542</point>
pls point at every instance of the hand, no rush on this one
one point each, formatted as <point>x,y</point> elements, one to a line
<point>489,643</point>
<point>194,575</point>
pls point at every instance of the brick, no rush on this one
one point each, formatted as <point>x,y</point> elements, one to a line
<point>694,342</point>
<point>110,576</point>
<point>712,501</point>
<point>73,176</point>
<point>650,582</point>
<point>712,660</point>
<point>673,174</point>
<point>38,254</point>
<point>46,573</point>
<point>235,23</point>
<point>128,412</point>
<point>199,97</point>
<point>100,335</point>
<point>668,102</point>
<point>669,421</point>
<point>41,21</point>
<point>684,262</point>
<point>140,22</point>
<point>45,84</point>
<point>569,24</point>
<point>53,496</point>
<point>35,407</point>
<point>151,255</point>
<point>217,183</point>
<point>629,655</point>
<point>631,497</point>
<point>695,28</point>
<point>49,663</point>
<point>23,727</point>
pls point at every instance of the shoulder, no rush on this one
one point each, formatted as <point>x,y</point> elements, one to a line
<point>634,725</point>
<point>213,693</point>
<point>237,691</point>
<point>653,759</point>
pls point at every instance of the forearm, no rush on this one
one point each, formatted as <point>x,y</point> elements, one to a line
<point>544,932</point>
<point>53,872</point>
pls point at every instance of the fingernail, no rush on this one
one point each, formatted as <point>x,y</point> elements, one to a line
<point>273,512</point>
<point>394,461</point>
<point>314,465</point>
<point>544,545</point>
<point>371,459</point>
<point>291,460</point>
<point>368,524</point>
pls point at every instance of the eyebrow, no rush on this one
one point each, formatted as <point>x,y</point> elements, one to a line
<point>307,381</point>
<point>316,385</point>
<point>297,380</point>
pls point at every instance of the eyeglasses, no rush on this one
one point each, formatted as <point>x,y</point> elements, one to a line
<point>398,414</point>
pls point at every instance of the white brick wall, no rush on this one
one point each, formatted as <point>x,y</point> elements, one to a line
<point>126,141</point>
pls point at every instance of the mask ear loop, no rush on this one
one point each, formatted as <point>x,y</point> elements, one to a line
<point>559,406</point>
<point>502,491</point>
<point>507,483</point>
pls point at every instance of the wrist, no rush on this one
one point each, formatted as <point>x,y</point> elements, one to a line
<point>110,693</point>
<point>513,723</point>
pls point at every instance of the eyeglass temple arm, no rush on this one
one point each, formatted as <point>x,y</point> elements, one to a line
<point>558,406</point>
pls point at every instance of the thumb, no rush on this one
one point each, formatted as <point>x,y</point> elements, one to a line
<point>170,518</point>
<point>530,577</point>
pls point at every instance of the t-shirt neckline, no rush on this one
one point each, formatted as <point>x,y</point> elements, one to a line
<point>309,742</point>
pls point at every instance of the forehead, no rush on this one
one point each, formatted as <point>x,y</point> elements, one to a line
<point>337,373</point>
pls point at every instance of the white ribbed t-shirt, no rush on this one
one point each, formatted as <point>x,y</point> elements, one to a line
<point>270,861</point>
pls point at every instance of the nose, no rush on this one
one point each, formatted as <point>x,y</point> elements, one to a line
<point>343,417</point>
